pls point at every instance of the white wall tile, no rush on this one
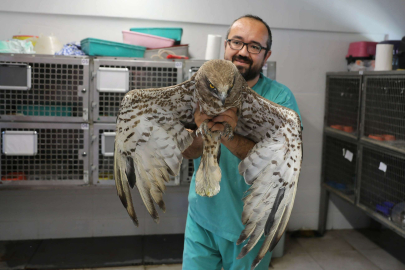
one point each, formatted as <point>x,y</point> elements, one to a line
<point>117,227</point>
<point>310,178</point>
<point>17,230</point>
<point>167,225</point>
<point>63,228</point>
<point>298,221</point>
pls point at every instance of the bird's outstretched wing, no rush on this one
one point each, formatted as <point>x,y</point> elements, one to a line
<point>150,137</point>
<point>271,167</point>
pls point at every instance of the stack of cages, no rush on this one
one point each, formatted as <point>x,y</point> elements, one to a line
<point>341,129</point>
<point>44,120</point>
<point>382,169</point>
<point>112,78</point>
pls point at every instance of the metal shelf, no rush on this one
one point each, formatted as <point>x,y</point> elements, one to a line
<point>380,169</point>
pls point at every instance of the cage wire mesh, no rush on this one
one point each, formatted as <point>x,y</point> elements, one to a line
<point>340,165</point>
<point>343,103</point>
<point>57,157</point>
<point>54,92</point>
<point>382,181</point>
<point>384,115</point>
<point>139,78</point>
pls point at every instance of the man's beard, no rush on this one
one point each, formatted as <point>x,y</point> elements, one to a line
<point>250,72</point>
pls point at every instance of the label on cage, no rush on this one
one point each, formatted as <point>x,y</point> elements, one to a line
<point>383,167</point>
<point>85,62</point>
<point>349,155</point>
<point>361,72</point>
<point>85,126</point>
<point>178,64</point>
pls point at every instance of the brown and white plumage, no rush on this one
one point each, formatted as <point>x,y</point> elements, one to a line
<point>151,135</point>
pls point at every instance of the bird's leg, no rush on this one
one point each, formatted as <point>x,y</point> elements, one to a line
<point>228,131</point>
<point>203,128</point>
<point>208,175</point>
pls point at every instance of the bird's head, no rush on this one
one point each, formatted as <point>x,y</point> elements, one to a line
<point>219,81</point>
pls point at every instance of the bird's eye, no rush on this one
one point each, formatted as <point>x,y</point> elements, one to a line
<point>212,87</point>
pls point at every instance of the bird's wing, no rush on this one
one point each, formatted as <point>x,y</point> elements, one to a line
<point>271,167</point>
<point>150,138</point>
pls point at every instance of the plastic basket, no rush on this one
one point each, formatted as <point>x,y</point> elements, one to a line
<point>172,33</point>
<point>99,47</point>
<point>146,40</point>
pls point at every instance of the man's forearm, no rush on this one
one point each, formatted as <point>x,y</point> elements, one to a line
<point>195,149</point>
<point>239,146</point>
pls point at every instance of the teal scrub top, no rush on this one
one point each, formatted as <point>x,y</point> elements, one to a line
<point>222,213</point>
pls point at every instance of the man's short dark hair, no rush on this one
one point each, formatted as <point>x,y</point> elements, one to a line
<point>257,18</point>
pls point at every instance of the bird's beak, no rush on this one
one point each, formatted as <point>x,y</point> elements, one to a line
<point>223,97</point>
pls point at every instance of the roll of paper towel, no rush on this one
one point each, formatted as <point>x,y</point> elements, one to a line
<point>383,57</point>
<point>213,47</point>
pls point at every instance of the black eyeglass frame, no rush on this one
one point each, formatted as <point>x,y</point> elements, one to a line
<point>247,47</point>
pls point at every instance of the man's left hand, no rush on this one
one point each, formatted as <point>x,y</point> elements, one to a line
<point>228,116</point>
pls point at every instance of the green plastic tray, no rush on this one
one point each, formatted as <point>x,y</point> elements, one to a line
<point>99,47</point>
<point>172,33</point>
<point>44,110</point>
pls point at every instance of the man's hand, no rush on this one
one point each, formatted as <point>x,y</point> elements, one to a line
<point>228,116</point>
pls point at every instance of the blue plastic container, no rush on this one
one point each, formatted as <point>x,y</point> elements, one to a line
<point>172,33</point>
<point>99,47</point>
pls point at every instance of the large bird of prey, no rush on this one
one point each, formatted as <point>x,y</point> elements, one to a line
<point>151,136</point>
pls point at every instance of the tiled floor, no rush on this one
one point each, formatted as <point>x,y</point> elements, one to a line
<point>337,250</point>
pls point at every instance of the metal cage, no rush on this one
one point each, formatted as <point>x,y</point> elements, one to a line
<point>339,166</point>
<point>44,88</point>
<point>269,70</point>
<point>112,78</point>
<point>383,113</point>
<point>382,184</point>
<point>191,66</point>
<point>102,140</point>
<point>44,153</point>
<point>342,103</point>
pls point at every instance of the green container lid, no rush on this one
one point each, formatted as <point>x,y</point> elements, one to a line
<point>172,33</point>
<point>99,47</point>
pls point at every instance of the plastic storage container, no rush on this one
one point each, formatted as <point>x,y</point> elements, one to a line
<point>362,49</point>
<point>93,47</point>
<point>172,33</point>
<point>146,40</point>
<point>177,50</point>
<point>361,56</point>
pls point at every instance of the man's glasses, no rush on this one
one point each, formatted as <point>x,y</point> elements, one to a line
<point>251,47</point>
